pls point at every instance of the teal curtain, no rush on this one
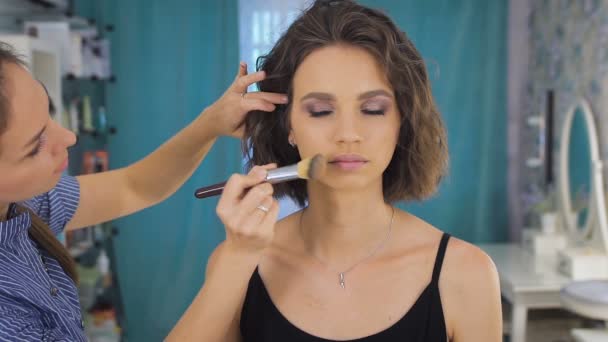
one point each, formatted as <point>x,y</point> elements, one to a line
<point>464,44</point>
<point>171,60</point>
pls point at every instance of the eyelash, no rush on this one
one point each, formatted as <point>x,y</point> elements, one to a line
<point>39,145</point>
<point>374,112</point>
<point>365,111</point>
<point>320,113</point>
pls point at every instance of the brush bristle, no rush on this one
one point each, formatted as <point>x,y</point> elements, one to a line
<point>312,168</point>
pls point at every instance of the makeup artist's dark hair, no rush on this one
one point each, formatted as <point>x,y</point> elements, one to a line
<point>39,231</point>
<point>421,158</point>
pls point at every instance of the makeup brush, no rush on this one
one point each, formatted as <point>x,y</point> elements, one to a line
<point>309,168</point>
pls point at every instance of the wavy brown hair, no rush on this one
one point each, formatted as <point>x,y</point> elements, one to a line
<point>421,157</point>
<point>39,231</point>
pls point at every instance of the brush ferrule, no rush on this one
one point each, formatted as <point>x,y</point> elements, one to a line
<point>282,174</point>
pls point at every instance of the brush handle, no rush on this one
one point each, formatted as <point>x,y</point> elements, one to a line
<point>282,174</point>
<point>211,190</point>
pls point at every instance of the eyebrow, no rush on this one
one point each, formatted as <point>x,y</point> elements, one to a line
<point>379,92</point>
<point>318,96</point>
<point>330,97</point>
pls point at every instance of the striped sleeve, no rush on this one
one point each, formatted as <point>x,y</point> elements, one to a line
<point>17,325</point>
<point>57,207</point>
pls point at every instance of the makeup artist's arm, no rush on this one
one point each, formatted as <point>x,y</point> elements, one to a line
<point>108,195</point>
<point>214,314</point>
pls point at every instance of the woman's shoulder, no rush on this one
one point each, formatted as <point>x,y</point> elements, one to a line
<point>469,285</point>
<point>460,255</point>
<point>464,258</point>
<point>464,264</point>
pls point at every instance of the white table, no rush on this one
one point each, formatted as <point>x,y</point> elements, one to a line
<point>526,281</point>
<point>585,335</point>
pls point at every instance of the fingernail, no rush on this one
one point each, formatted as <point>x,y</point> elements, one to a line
<point>243,64</point>
<point>260,173</point>
<point>285,99</point>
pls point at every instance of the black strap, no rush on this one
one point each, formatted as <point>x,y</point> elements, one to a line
<point>439,259</point>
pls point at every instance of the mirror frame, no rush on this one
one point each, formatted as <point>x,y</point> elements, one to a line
<point>596,217</point>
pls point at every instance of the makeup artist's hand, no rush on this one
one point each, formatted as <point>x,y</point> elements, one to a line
<point>228,112</point>
<point>248,211</point>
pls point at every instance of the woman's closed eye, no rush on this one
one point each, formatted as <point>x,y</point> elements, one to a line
<point>319,110</point>
<point>369,111</point>
<point>39,145</point>
<point>377,107</point>
<point>374,108</point>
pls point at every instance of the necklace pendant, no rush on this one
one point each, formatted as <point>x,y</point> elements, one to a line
<point>342,284</point>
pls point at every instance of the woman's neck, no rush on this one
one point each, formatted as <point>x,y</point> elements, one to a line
<point>341,228</point>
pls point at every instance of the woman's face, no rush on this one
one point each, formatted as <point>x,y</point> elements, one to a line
<point>344,108</point>
<point>33,149</point>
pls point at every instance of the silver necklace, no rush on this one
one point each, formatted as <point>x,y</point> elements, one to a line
<point>342,274</point>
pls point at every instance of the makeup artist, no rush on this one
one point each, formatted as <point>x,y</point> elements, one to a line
<point>38,295</point>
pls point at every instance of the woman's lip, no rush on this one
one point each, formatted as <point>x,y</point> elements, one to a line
<point>348,165</point>
<point>348,158</point>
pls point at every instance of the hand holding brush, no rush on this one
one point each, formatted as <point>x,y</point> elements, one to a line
<point>309,168</point>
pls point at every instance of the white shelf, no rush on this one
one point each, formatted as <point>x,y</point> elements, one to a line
<point>79,249</point>
<point>44,61</point>
<point>587,335</point>
<point>22,7</point>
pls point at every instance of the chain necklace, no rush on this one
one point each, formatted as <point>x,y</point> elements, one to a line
<point>341,275</point>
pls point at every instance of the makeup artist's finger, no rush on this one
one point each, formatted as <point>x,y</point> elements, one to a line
<point>251,222</point>
<point>270,219</point>
<point>254,197</point>
<point>242,70</point>
<point>246,213</point>
<point>237,185</point>
<point>269,166</point>
<point>255,232</point>
<point>265,167</point>
<point>245,81</point>
<point>253,104</point>
<point>268,97</point>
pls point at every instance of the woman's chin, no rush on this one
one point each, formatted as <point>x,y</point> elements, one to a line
<point>347,184</point>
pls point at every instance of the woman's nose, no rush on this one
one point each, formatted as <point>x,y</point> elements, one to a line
<point>64,138</point>
<point>347,129</point>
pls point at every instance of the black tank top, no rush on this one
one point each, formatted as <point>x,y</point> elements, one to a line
<point>261,321</point>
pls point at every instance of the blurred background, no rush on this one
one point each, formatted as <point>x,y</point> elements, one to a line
<point>521,84</point>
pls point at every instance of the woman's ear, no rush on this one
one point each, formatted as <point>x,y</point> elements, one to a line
<point>291,139</point>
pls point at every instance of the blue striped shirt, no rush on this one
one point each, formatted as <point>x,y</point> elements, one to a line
<point>38,301</point>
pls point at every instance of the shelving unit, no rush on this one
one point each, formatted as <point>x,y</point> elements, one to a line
<point>44,59</point>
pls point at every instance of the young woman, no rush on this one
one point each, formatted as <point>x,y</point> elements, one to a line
<point>349,266</point>
<point>38,296</point>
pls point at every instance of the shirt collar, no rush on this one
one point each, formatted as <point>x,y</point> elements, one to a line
<point>17,224</point>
